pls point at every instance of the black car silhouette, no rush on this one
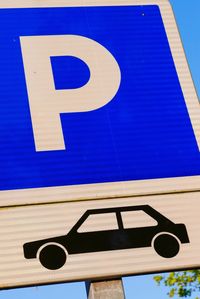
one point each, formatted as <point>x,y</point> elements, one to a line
<point>164,236</point>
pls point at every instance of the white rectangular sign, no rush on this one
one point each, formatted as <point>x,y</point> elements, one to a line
<point>98,239</point>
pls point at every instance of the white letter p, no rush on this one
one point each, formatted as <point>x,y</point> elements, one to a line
<point>46,103</point>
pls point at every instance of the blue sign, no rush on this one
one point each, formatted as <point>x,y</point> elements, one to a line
<point>144,132</point>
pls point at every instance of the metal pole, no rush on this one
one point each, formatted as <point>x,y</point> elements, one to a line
<point>108,289</point>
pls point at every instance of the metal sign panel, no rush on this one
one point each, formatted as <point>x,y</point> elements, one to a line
<point>98,239</point>
<point>96,101</point>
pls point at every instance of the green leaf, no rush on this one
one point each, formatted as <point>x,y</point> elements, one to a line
<point>182,284</point>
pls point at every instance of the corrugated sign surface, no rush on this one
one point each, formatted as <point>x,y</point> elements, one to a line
<point>80,241</point>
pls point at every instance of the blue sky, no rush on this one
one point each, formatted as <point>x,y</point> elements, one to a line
<point>187,13</point>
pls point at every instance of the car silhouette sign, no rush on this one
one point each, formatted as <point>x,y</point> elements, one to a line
<point>87,240</point>
<point>165,238</point>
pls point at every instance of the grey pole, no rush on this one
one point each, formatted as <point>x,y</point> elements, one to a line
<point>108,289</point>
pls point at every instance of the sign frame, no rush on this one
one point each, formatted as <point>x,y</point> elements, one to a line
<point>123,188</point>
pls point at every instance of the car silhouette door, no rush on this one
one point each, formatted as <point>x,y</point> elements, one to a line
<point>138,228</point>
<point>98,232</point>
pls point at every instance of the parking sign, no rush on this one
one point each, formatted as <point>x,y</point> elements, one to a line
<point>96,101</point>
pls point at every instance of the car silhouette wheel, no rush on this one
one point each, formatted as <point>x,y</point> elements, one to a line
<point>166,245</point>
<point>52,256</point>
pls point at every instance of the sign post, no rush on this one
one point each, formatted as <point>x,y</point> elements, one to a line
<point>108,289</point>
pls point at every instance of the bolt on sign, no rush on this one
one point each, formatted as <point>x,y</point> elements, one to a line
<point>97,102</point>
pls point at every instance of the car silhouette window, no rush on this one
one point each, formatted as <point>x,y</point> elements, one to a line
<point>134,219</point>
<point>99,222</point>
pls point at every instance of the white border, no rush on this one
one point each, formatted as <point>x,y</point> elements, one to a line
<point>117,189</point>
